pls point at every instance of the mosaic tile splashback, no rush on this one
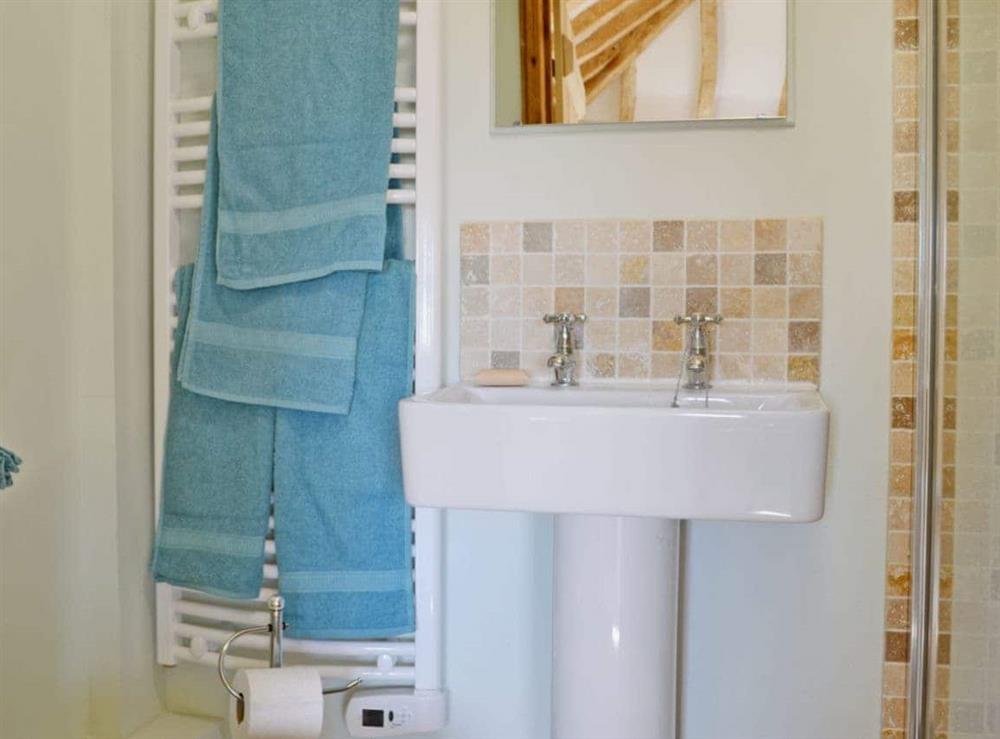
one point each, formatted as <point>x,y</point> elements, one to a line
<point>631,278</point>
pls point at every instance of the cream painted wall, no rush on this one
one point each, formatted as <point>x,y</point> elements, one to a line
<point>57,523</point>
<point>782,633</point>
<point>75,652</point>
<point>131,132</point>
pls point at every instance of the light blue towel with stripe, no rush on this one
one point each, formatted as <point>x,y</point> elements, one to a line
<point>287,346</point>
<point>342,526</point>
<point>305,104</point>
<point>217,478</point>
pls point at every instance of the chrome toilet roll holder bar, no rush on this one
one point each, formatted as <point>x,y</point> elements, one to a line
<point>276,627</point>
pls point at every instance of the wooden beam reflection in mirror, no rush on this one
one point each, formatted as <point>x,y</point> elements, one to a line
<point>633,15</point>
<point>536,61</point>
<point>709,58</point>
<point>568,77</point>
<point>559,21</point>
<point>615,60</point>
<point>592,17</point>
<point>626,100</point>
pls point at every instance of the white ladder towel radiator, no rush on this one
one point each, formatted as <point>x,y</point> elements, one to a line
<point>191,626</point>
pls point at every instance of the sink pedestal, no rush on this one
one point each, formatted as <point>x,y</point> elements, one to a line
<point>614,665</point>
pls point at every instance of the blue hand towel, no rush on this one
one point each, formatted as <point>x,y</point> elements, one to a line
<point>9,464</point>
<point>216,485</point>
<point>305,108</point>
<point>288,346</point>
<point>342,524</point>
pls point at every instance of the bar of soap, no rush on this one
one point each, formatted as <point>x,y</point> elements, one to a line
<point>502,377</point>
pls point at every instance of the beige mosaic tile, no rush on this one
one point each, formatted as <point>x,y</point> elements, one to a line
<point>668,235</point>
<point>805,234</point>
<point>636,236</point>
<point>602,236</point>
<point>474,238</point>
<point>734,336</point>
<point>701,300</point>
<point>632,277</point>
<point>668,269</point>
<point>703,269</point>
<point>702,236</point>
<point>736,236</point>
<point>735,269</point>
<point>667,336</point>
<point>770,269</point>
<point>633,302</point>
<point>736,302</point>
<point>537,237</point>
<point>634,270</point>
<point>770,234</point>
<point>769,302</point>
<point>505,238</point>
<point>569,236</point>
<point>601,302</point>
<point>667,302</point>
<point>804,302</point>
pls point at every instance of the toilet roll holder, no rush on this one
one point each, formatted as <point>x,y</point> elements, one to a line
<point>276,627</point>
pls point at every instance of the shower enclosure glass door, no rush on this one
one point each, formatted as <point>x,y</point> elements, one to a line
<point>962,692</point>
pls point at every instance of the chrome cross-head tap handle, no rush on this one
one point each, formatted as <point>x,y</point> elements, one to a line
<point>564,317</point>
<point>562,362</point>
<point>698,319</point>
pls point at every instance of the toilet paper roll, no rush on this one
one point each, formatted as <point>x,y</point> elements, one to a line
<point>282,703</point>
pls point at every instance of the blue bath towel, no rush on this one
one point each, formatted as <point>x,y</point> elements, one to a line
<point>9,464</point>
<point>342,524</point>
<point>216,485</point>
<point>288,346</point>
<point>305,103</point>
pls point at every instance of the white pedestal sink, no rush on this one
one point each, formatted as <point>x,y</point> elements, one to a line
<point>635,465</point>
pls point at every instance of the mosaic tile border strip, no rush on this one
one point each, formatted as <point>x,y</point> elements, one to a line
<point>632,277</point>
<point>906,96</point>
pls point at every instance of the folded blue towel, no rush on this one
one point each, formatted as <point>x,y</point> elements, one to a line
<point>9,464</point>
<point>305,107</point>
<point>342,524</point>
<point>216,485</point>
<point>289,346</point>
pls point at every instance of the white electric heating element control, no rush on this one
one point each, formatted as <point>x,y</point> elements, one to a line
<point>395,712</point>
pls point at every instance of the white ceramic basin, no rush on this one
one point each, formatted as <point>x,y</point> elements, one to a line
<point>753,454</point>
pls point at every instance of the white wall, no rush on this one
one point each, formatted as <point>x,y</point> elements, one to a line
<point>131,132</point>
<point>751,57</point>
<point>57,393</point>
<point>782,624</point>
<point>74,651</point>
<point>752,44</point>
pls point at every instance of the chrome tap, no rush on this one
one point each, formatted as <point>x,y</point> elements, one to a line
<point>563,363</point>
<point>696,350</point>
